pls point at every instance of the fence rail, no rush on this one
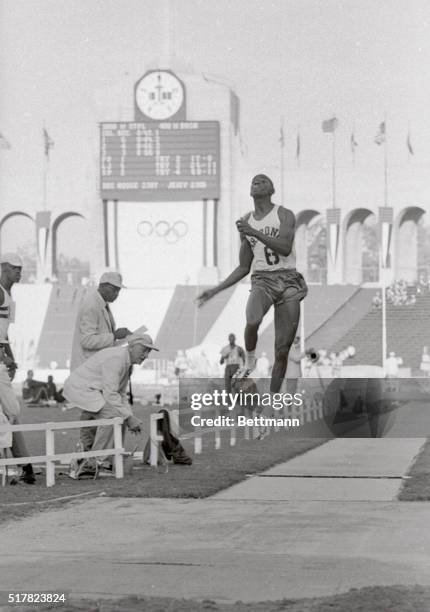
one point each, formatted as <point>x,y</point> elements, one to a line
<point>311,410</point>
<point>51,456</point>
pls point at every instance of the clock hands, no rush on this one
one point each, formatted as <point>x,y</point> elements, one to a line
<point>159,87</point>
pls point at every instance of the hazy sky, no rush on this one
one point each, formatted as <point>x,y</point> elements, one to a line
<point>303,59</point>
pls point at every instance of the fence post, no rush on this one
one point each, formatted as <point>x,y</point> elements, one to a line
<point>174,416</point>
<point>117,443</point>
<point>233,435</point>
<point>155,438</point>
<point>50,452</point>
<point>217,433</point>
<point>197,445</point>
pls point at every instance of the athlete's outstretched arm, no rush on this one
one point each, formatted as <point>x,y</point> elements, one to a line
<point>245,259</point>
<point>284,242</point>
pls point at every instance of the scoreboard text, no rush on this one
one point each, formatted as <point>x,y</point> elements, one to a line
<point>160,161</point>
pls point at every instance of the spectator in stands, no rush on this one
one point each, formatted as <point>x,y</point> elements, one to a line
<point>263,365</point>
<point>203,366</point>
<point>11,268</point>
<point>336,365</point>
<point>423,284</point>
<point>99,386</point>
<point>307,365</point>
<point>95,330</point>
<point>392,364</point>
<point>377,300</point>
<point>181,365</point>
<point>294,365</point>
<point>425,361</point>
<point>397,294</point>
<point>233,356</point>
<point>324,358</point>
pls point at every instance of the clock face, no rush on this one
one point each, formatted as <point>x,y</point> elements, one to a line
<point>159,95</point>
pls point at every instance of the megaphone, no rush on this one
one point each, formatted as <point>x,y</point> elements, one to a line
<point>312,354</point>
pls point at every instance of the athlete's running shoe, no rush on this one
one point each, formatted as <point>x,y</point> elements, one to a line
<point>242,373</point>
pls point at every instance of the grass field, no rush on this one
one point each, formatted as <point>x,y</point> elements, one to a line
<point>211,471</point>
<point>369,599</point>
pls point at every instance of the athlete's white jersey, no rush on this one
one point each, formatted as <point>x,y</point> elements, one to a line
<point>266,259</point>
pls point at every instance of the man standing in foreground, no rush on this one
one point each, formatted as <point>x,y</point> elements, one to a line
<point>99,386</point>
<point>95,330</point>
<point>11,268</point>
<point>267,243</point>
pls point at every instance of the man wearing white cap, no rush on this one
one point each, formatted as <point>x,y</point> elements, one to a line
<point>99,386</point>
<point>95,326</point>
<point>11,268</point>
<point>95,330</point>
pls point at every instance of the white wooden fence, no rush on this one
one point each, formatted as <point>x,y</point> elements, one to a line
<point>310,411</point>
<point>50,456</point>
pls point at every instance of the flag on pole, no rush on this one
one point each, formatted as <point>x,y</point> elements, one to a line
<point>298,144</point>
<point>281,137</point>
<point>329,126</point>
<point>49,143</point>
<point>4,144</point>
<point>409,144</point>
<point>354,143</point>
<point>234,111</point>
<point>380,136</point>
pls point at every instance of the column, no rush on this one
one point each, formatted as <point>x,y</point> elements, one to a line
<point>334,255</point>
<point>43,226</point>
<point>110,222</point>
<point>208,274</point>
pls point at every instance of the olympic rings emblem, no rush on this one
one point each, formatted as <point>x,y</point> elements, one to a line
<point>163,229</point>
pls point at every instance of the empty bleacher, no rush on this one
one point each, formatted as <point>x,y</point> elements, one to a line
<point>408,330</point>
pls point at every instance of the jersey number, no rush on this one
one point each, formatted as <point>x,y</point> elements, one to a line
<point>272,258</point>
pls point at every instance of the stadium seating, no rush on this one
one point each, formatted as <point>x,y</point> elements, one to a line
<point>335,317</point>
<point>408,330</point>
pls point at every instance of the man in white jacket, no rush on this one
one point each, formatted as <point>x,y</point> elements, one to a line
<point>95,330</point>
<point>95,326</point>
<point>99,386</point>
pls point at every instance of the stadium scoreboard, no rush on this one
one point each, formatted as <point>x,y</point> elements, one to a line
<point>160,161</point>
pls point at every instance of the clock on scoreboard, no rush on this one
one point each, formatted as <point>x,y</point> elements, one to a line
<point>159,95</point>
<point>160,160</point>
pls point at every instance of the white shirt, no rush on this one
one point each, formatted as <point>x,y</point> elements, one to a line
<point>264,258</point>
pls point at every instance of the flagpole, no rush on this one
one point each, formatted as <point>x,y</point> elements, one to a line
<point>45,171</point>
<point>334,168</point>
<point>302,326</point>
<point>385,165</point>
<point>384,311</point>
<point>45,184</point>
<point>282,160</point>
